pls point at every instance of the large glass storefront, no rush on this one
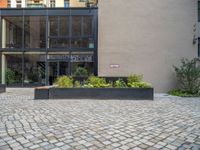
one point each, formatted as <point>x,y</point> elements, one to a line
<point>36,48</point>
<point>29,69</point>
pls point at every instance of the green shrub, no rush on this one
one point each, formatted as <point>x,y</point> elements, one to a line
<point>120,83</point>
<point>64,82</point>
<point>178,92</point>
<point>96,82</point>
<point>81,72</point>
<point>139,85</point>
<point>10,76</point>
<point>77,84</point>
<point>188,75</point>
<point>134,78</point>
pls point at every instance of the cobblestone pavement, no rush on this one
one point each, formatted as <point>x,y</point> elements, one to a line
<point>166,123</point>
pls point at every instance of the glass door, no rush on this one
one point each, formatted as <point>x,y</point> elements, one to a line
<point>56,69</point>
<point>53,72</point>
<point>63,68</point>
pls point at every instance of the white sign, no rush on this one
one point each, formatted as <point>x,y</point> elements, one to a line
<point>114,66</point>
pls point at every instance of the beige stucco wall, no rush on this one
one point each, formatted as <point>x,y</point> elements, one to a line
<point>76,3</point>
<point>59,3</point>
<point>146,37</point>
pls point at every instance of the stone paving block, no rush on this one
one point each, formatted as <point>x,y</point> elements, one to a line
<point>165,123</point>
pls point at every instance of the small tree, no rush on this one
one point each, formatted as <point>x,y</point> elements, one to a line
<point>188,75</point>
<point>80,72</point>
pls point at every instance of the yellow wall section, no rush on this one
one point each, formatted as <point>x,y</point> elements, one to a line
<point>76,3</point>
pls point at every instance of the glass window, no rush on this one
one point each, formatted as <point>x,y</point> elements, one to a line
<point>13,69</point>
<point>12,30</point>
<point>86,65</point>
<point>34,69</point>
<point>87,26</point>
<point>82,61</point>
<point>64,26</point>
<point>198,47</point>
<point>66,3</point>
<point>52,3</point>
<point>199,11</point>
<point>35,32</point>
<point>59,43</point>
<point>76,43</point>
<point>8,4</point>
<point>59,26</point>
<point>19,3</point>
<point>82,43</point>
<point>88,43</point>
<point>76,26</point>
<point>53,25</point>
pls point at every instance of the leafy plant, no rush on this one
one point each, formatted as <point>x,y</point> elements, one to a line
<point>136,81</point>
<point>77,84</point>
<point>81,72</point>
<point>178,92</point>
<point>10,76</point>
<point>188,75</point>
<point>139,85</point>
<point>135,78</point>
<point>120,83</point>
<point>96,82</point>
<point>64,82</point>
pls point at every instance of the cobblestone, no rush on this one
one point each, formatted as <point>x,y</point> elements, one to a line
<point>166,123</point>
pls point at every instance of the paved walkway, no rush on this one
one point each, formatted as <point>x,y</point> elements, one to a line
<point>166,123</point>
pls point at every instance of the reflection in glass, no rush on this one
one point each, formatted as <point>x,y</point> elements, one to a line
<point>13,69</point>
<point>59,43</point>
<point>76,43</point>
<point>12,29</point>
<point>76,26</point>
<point>87,26</point>
<point>53,72</point>
<point>34,69</point>
<point>35,32</point>
<point>64,26</point>
<point>82,43</point>
<point>59,25</point>
<point>53,25</point>
<point>87,65</point>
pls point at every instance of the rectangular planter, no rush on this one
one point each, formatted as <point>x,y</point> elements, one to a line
<point>2,88</point>
<point>41,93</point>
<point>102,93</point>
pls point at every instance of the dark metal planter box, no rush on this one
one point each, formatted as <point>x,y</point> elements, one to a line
<point>102,93</point>
<point>41,93</point>
<point>2,88</point>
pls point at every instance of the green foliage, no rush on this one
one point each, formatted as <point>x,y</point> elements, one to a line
<point>10,76</point>
<point>139,85</point>
<point>136,81</point>
<point>96,82</point>
<point>77,84</point>
<point>188,75</point>
<point>64,82</point>
<point>120,83</point>
<point>178,92</point>
<point>81,72</point>
<point>134,78</point>
<point>33,77</point>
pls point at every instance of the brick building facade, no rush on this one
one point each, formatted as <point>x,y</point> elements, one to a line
<point>3,3</point>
